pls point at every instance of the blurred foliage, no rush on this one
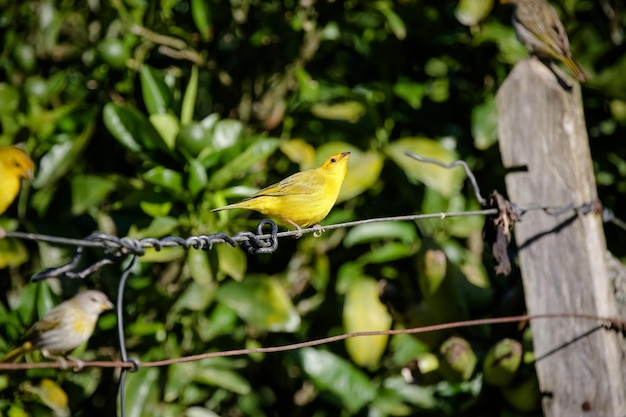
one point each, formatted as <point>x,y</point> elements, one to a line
<point>142,116</point>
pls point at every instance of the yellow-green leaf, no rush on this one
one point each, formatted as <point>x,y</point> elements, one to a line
<point>232,261</point>
<point>445,181</point>
<point>168,127</point>
<point>262,302</point>
<point>363,311</point>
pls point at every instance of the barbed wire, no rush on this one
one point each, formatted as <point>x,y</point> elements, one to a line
<point>255,243</point>
<point>116,250</point>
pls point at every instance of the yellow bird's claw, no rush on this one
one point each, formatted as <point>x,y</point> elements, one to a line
<point>298,234</point>
<point>319,229</point>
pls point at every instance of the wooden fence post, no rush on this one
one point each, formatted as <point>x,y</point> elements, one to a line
<point>542,130</point>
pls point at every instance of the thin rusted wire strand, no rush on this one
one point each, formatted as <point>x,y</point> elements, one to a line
<point>608,322</point>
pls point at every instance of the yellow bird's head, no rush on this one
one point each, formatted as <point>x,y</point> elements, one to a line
<point>336,164</point>
<point>16,162</point>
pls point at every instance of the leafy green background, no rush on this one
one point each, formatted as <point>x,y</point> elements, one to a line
<point>142,116</point>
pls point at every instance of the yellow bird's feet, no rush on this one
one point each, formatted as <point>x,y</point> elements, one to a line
<point>298,234</point>
<point>319,229</point>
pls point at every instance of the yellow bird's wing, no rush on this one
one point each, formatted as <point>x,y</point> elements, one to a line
<point>300,183</point>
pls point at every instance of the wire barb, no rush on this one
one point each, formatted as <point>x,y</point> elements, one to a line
<point>497,231</point>
<point>115,249</point>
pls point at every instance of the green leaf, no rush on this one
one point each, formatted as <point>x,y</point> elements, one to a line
<point>62,157</point>
<point>222,321</point>
<point>375,232</point>
<point>393,20</point>
<point>225,133</point>
<point>444,180</point>
<point>57,83</point>
<point>348,111</point>
<point>89,191</point>
<point>131,128</point>
<point>166,124</point>
<point>332,373</point>
<point>198,178</point>
<point>308,89</point>
<point>200,267</point>
<point>196,138</point>
<point>191,93</point>
<point>12,252</point>
<point>146,328</point>
<point>364,170</point>
<point>388,252</point>
<point>164,255</point>
<point>423,397</point>
<point>258,151</point>
<point>200,412</point>
<point>221,377</point>
<point>300,152</point>
<point>166,178</point>
<point>262,302</point>
<point>142,392</point>
<point>472,12</point>
<point>196,297</point>
<point>155,207</point>
<point>363,311</point>
<point>9,98</point>
<point>232,261</point>
<point>201,14</point>
<point>485,123</point>
<point>159,226</point>
<point>156,95</point>
<point>411,92</point>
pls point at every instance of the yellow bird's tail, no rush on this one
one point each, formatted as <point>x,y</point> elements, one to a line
<point>228,207</point>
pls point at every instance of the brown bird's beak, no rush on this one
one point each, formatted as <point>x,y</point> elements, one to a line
<point>344,154</point>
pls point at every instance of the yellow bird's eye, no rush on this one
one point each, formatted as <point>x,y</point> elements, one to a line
<point>333,160</point>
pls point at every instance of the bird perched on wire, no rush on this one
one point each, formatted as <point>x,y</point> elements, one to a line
<point>539,29</point>
<point>15,164</point>
<point>302,199</point>
<point>63,328</point>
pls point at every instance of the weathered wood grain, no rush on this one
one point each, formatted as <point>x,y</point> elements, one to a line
<point>562,257</point>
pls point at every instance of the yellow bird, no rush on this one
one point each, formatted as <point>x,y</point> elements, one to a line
<point>15,164</point>
<point>63,328</point>
<point>302,199</point>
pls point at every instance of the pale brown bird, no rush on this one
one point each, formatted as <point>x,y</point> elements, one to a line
<point>539,29</point>
<point>63,328</point>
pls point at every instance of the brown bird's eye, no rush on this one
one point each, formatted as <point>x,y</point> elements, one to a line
<point>333,160</point>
